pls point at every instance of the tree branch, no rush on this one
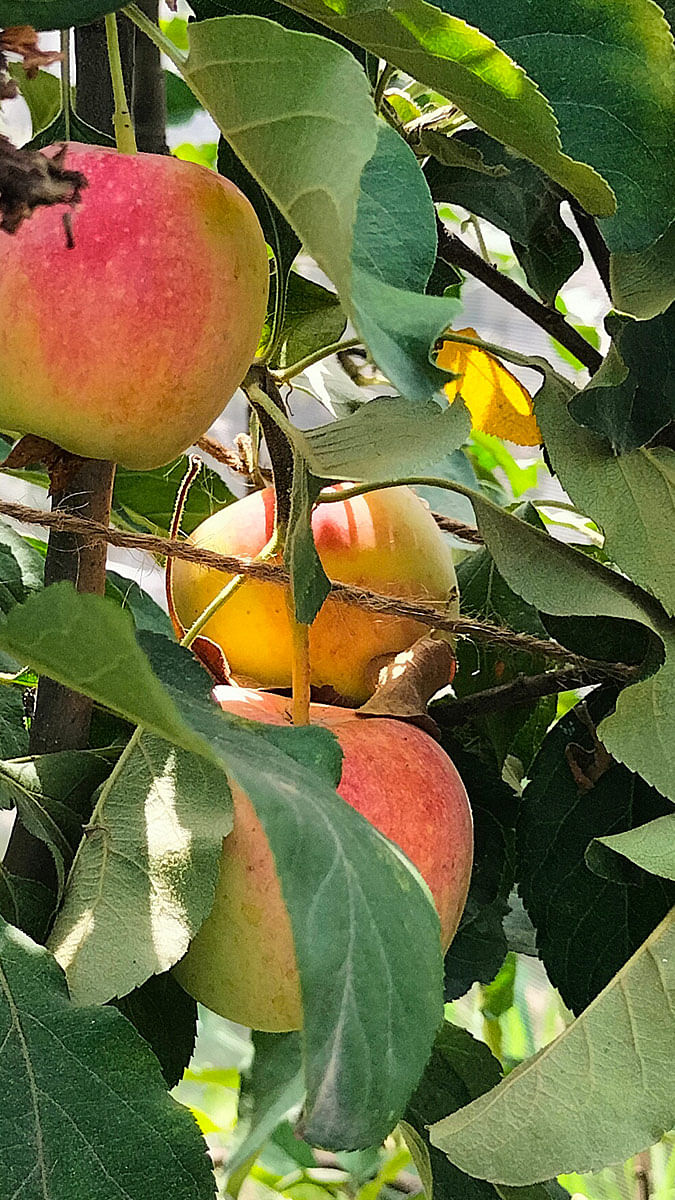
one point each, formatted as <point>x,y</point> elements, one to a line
<point>597,247</point>
<point>524,689</point>
<point>455,252</point>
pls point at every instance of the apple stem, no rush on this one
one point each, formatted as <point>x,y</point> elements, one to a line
<point>270,550</point>
<point>124,130</point>
<point>301,669</point>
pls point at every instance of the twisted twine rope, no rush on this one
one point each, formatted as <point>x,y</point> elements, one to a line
<point>435,618</point>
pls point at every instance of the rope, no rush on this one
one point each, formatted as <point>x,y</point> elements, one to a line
<point>426,614</point>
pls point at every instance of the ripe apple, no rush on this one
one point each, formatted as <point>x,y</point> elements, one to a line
<point>386,540</point>
<point>242,962</point>
<point>127,344</point>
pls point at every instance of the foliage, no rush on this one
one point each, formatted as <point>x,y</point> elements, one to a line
<point>494,108</point>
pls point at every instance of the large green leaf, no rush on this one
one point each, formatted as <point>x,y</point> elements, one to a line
<point>462,63</point>
<point>269,88</point>
<point>608,71</point>
<point>597,1094</point>
<point>13,732</point>
<point>587,926</point>
<point>85,1112</point>
<point>365,1046</point>
<point>149,861</point>
<point>54,14</point>
<point>459,1070</point>
<point>631,397</point>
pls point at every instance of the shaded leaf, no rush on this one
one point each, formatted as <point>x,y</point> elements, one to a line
<point>459,1070</point>
<point>587,926</point>
<point>631,397</point>
<point>166,1018</point>
<point>86,1067</point>
<point>145,500</point>
<point>52,795</point>
<point>514,195</point>
<point>597,1094</point>
<point>13,732</point>
<point>643,284</point>
<point>272,1086</point>
<point>146,612</point>
<point>313,319</point>
<point>26,903</point>
<point>53,14</point>
<point>620,53</point>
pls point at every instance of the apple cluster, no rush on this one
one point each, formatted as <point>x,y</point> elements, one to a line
<point>123,332</point>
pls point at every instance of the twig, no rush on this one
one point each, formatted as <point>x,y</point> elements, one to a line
<point>597,247</point>
<point>456,253</point>
<point>526,688</point>
<point>426,614</point>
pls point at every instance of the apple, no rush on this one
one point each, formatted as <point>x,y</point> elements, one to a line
<point>128,343</point>
<point>386,541</point>
<point>241,963</point>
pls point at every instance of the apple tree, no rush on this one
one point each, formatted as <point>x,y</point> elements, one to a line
<point>415,169</point>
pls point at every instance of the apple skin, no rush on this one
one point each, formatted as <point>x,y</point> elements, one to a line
<point>242,962</point>
<point>386,540</point>
<point>129,345</point>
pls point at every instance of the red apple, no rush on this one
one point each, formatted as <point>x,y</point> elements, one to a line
<point>386,540</point>
<point>128,345</point>
<point>242,962</point>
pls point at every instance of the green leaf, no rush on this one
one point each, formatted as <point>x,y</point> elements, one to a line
<point>607,70</point>
<point>166,1018</point>
<point>42,94</point>
<point>650,846</point>
<point>462,63</point>
<point>52,796</point>
<point>385,439</point>
<point>21,567</point>
<point>459,1070</point>
<point>309,582</point>
<point>268,88</point>
<point>181,105</point>
<point>313,319</point>
<point>145,500</point>
<point>364,1047</point>
<point>53,14</point>
<point>272,1086</point>
<point>643,284</point>
<point>149,862</point>
<point>79,131</point>
<point>515,196</point>
<point>631,399</point>
<point>479,947</point>
<point>87,1071</point>
<point>26,904</point>
<point>586,926</point>
<point>594,1096</point>
<point>260,111</point>
<point>279,235</point>
<point>146,612</point>
<point>630,496</point>
<point>13,732</point>
<point>485,594</point>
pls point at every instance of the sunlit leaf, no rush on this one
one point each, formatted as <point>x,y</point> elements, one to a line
<point>497,401</point>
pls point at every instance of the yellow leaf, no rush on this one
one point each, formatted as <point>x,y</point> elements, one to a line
<point>497,401</point>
